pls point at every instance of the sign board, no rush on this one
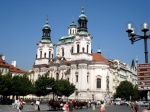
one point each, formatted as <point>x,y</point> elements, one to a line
<point>144,76</point>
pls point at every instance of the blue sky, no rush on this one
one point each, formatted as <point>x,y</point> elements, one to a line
<point>21,23</point>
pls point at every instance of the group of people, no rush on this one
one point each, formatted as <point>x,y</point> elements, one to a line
<point>18,104</point>
<point>68,106</point>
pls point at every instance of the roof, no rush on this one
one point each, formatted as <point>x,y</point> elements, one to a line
<point>10,67</point>
<point>99,57</point>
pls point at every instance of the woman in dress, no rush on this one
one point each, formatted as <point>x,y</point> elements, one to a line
<point>102,108</point>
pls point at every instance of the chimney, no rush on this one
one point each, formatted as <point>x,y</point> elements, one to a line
<point>2,56</point>
<point>14,63</point>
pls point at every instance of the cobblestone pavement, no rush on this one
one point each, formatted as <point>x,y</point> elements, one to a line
<point>45,108</point>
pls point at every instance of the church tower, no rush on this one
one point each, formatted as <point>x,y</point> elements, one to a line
<point>82,39</point>
<point>64,47</point>
<point>45,52</point>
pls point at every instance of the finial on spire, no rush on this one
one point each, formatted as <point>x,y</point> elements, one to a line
<point>73,19</point>
<point>82,6</point>
<point>47,19</point>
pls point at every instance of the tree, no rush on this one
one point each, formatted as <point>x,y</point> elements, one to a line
<point>125,90</point>
<point>136,93</point>
<point>64,87</point>
<point>5,84</point>
<point>41,84</point>
<point>21,85</point>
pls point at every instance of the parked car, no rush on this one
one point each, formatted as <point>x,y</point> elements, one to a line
<point>143,103</point>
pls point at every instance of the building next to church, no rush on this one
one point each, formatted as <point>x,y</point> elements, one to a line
<point>12,68</point>
<point>94,76</point>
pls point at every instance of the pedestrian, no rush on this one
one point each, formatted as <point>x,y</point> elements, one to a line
<point>132,106</point>
<point>102,108</point>
<point>13,103</point>
<point>37,105</point>
<point>71,108</point>
<point>136,107</point>
<point>19,105</point>
<point>66,107</point>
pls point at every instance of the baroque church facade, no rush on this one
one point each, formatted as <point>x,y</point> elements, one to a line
<point>94,76</point>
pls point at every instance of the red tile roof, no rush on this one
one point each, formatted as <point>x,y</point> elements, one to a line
<point>99,57</point>
<point>10,67</point>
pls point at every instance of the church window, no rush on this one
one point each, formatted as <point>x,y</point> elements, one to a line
<point>52,55</point>
<point>71,50</point>
<point>68,79</point>
<point>73,31</point>
<point>70,31</point>
<point>49,54</point>
<point>76,78</point>
<point>40,54</point>
<point>57,76</point>
<point>78,48</point>
<point>87,48</point>
<point>44,55</point>
<point>62,51</point>
<point>98,83</point>
<point>87,78</point>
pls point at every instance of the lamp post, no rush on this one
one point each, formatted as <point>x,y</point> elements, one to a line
<point>133,37</point>
<point>50,89</point>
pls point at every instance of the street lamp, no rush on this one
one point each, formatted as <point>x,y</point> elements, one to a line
<point>50,90</point>
<point>133,37</point>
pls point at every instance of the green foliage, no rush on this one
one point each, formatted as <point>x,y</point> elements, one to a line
<point>41,84</point>
<point>136,93</point>
<point>21,85</point>
<point>64,87</point>
<point>5,84</point>
<point>125,90</point>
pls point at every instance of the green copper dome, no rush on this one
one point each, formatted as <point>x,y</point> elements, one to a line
<point>82,16</point>
<point>98,51</point>
<point>46,26</point>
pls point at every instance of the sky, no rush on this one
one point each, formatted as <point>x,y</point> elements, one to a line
<point>21,23</point>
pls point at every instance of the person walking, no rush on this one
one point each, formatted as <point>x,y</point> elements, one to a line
<point>102,108</point>
<point>66,107</point>
<point>71,108</point>
<point>37,105</point>
<point>136,107</point>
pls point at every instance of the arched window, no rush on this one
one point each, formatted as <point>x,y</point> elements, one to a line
<point>62,51</point>
<point>44,55</point>
<point>76,78</point>
<point>87,78</point>
<point>57,76</point>
<point>78,48</point>
<point>49,54</point>
<point>40,54</point>
<point>87,48</point>
<point>98,83</point>
<point>71,50</point>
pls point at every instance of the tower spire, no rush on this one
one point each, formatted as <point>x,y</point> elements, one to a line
<point>73,19</point>
<point>46,31</point>
<point>82,22</point>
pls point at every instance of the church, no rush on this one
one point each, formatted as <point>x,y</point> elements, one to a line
<point>94,76</point>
